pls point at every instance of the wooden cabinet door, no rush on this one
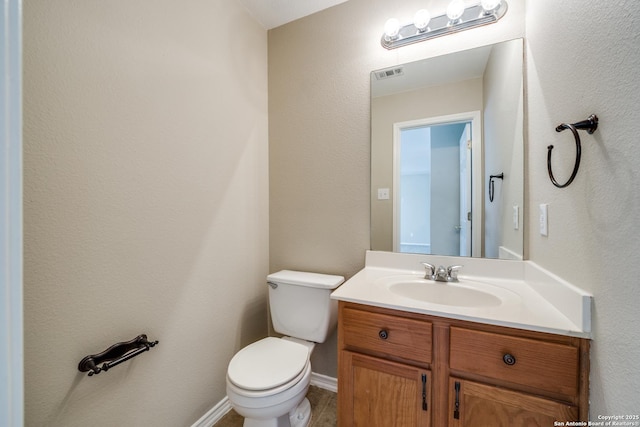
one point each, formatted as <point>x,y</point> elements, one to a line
<point>478,405</point>
<point>378,393</point>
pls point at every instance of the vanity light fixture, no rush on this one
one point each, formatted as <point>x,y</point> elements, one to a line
<point>392,28</point>
<point>421,20</point>
<point>455,11</point>
<point>459,17</point>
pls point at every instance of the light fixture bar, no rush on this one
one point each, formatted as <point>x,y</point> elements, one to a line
<point>473,16</point>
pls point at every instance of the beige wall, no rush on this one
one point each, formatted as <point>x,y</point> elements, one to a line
<point>146,204</point>
<point>582,58</point>
<point>319,130</point>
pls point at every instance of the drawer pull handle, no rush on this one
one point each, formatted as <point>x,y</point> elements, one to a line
<point>509,359</point>
<point>383,334</point>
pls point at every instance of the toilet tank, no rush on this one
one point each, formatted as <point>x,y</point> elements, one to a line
<point>301,306</point>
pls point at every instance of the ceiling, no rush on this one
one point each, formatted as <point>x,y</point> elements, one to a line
<point>440,70</point>
<point>273,13</point>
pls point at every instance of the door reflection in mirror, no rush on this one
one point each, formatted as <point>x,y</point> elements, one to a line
<point>433,181</point>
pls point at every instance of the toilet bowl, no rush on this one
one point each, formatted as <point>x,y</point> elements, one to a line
<point>267,381</point>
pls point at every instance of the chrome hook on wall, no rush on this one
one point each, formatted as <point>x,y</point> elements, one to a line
<point>590,125</point>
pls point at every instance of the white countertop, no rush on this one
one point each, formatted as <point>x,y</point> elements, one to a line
<point>541,301</point>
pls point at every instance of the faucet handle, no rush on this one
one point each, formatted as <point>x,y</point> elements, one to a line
<point>430,270</point>
<point>452,272</point>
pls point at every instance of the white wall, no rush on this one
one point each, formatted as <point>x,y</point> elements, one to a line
<point>146,204</point>
<point>583,58</point>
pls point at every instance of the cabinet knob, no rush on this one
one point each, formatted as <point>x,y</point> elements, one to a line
<point>509,359</point>
<point>383,334</point>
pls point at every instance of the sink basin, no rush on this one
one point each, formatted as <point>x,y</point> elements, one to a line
<point>466,293</point>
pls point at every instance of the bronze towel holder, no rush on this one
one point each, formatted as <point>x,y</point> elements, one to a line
<point>590,125</point>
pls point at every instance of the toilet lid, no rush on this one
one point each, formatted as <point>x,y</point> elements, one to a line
<point>267,363</point>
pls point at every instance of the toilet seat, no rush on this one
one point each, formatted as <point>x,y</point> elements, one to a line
<point>268,364</point>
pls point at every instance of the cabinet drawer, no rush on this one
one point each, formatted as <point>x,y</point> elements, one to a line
<point>544,365</point>
<point>395,336</point>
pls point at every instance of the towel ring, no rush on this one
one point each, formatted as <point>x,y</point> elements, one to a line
<point>590,125</point>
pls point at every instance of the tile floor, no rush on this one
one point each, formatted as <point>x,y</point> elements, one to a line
<point>323,410</point>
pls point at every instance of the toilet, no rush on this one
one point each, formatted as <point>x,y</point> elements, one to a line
<point>267,381</point>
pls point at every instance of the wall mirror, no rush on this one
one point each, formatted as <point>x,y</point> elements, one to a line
<point>447,154</point>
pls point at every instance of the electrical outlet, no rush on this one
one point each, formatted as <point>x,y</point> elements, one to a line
<point>516,217</point>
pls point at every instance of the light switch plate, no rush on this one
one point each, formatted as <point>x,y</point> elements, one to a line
<point>383,194</point>
<point>544,220</point>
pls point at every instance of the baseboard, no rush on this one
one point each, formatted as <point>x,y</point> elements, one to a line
<point>324,382</point>
<point>216,413</point>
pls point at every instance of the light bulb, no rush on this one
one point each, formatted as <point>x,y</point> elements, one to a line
<point>490,5</point>
<point>421,19</point>
<point>391,28</point>
<point>455,10</point>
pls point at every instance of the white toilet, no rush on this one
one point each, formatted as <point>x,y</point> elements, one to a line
<point>267,381</point>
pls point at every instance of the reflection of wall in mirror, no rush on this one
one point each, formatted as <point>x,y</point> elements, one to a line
<point>502,119</point>
<point>432,101</point>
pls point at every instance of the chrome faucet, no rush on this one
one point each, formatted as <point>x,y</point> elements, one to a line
<point>441,274</point>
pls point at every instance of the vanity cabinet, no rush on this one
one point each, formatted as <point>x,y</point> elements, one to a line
<point>384,377</point>
<point>408,369</point>
<point>384,393</point>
